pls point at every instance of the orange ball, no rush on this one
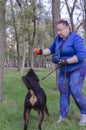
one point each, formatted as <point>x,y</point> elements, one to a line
<point>37,51</point>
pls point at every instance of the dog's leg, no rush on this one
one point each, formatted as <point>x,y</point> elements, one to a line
<point>47,113</point>
<point>41,117</point>
<point>26,118</point>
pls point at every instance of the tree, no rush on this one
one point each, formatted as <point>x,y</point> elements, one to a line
<point>33,3</point>
<point>16,34</point>
<point>84,3</point>
<point>56,17</point>
<point>71,13</point>
<point>2,43</point>
<point>75,12</point>
<point>55,14</point>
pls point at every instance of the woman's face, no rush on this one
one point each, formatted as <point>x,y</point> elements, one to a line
<point>63,30</point>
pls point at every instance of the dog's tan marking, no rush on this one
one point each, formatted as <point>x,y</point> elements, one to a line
<point>32,92</point>
<point>48,117</point>
<point>27,116</point>
<point>33,98</point>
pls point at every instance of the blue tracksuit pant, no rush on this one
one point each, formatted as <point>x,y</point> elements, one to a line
<point>71,83</point>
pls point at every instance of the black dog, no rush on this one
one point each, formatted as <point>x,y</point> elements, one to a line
<point>35,98</point>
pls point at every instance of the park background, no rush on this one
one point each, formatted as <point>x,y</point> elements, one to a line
<point>24,25</point>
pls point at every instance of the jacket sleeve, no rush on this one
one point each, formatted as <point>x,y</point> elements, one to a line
<point>79,48</point>
<point>53,46</point>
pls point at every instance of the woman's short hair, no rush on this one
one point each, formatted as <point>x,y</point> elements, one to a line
<point>63,22</point>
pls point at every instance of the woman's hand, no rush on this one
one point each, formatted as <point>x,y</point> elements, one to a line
<point>62,62</point>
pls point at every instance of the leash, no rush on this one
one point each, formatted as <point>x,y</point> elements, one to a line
<point>49,73</point>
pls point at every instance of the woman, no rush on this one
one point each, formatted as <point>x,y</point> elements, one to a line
<point>70,53</point>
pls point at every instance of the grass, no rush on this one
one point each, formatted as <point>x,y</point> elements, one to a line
<point>11,109</point>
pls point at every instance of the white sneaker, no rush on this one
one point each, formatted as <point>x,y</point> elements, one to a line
<point>83,120</point>
<point>60,119</point>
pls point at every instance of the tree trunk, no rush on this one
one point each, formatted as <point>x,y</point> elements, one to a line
<point>2,43</point>
<point>85,19</point>
<point>34,32</point>
<point>56,17</point>
<point>71,12</point>
<point>16,35</point>
<point>55,14</point>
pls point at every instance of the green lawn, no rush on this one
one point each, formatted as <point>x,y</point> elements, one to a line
<point>11,109</point>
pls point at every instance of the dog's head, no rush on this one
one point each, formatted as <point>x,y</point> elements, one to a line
<point>31,79</point>
<point>32,74</point>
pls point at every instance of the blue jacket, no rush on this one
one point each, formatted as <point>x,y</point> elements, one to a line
<point>74,45</point>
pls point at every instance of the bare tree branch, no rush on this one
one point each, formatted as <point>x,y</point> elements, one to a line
<point>74,4</point>
<point>19,3</point>
<point>79,26</point>
<point>70,12</point>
